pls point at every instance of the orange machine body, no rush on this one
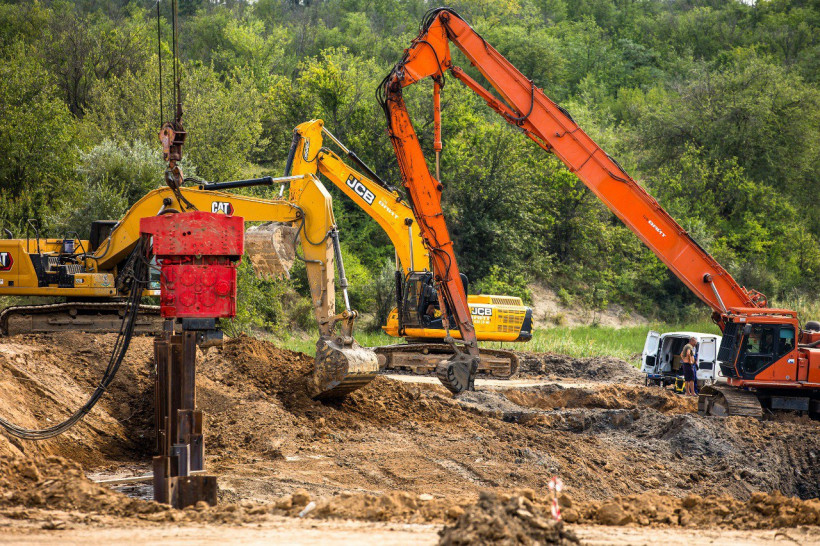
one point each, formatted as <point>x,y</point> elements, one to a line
<point>525,106</point>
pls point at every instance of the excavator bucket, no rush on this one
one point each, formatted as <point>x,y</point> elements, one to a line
<point>458,372</point>
<point>271,248</point>
<point>341,367</point>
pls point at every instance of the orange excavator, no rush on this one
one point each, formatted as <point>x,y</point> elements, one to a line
<point>769,360</point>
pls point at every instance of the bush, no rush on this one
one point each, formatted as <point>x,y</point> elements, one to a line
<point>260,303</point>
<point>112,178</point>
<point>503,282</point>
<point>381,290</point>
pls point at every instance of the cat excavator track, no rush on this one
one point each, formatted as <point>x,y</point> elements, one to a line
<point>725,401</point>
<point>76,316</point>
<point>424,358</point>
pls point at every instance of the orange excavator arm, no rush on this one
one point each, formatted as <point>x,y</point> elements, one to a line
<point>525,106</point>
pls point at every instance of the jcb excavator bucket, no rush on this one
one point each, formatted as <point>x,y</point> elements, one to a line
<point>271,248</point>
<point>341,367</point>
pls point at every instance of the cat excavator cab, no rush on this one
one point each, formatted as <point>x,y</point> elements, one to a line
<point>418,316</point>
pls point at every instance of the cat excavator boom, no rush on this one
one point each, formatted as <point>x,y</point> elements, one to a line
<point>769,360</point>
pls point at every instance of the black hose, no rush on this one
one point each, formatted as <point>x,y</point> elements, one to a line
<point>292,153</point>
<point>138,281</point>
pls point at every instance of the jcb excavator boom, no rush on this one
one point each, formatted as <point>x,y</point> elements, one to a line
<point>379,200</point>
<point>777,362</point>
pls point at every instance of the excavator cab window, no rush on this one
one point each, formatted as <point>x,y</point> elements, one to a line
<point>764,345</point>
<point>100,230</point>
<point>421,307</point>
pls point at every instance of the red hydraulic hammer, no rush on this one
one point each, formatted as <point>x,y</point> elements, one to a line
<point>197,253</point>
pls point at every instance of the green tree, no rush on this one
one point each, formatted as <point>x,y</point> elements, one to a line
<point>37,140</point>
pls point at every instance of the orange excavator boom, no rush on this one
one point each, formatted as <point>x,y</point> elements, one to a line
<point>525,106</point>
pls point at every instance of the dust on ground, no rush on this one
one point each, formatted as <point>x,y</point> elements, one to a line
<point>397,451</point>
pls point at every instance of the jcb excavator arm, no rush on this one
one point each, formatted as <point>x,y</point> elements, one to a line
<point>382,203</point>
<point>500,318</point>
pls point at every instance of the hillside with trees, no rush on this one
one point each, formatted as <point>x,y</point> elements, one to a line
<point>713,106</point>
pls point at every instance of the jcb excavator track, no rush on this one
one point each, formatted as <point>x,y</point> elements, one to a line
<point>423,358</point>
<point>724,401</point>
<point>76,316</point>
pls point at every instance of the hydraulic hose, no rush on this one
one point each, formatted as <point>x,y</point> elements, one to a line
<point>126,331</point>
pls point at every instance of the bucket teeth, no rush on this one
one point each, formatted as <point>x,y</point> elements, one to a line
<point>341,368</point>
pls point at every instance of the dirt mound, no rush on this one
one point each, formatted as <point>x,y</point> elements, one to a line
<point>56,483</point>
<point>282,377</point>
<point>44,378</point>
<point>760,511</point>
<point>277,371</point>
<point>606,397</point>
<point>506,520</point>
<point>606,369</point>
<point>380,453</point>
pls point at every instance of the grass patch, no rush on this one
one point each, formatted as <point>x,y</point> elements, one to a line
<point>306,343</point>
<point>575,341</point>
<point>586,341</point>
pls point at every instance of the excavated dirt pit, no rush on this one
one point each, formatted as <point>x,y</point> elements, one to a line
<point>398,451</point>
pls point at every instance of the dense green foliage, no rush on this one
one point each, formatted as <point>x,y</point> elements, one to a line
<point>712,105</point>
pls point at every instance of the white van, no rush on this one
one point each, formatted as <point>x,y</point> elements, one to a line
<point>661,357</point>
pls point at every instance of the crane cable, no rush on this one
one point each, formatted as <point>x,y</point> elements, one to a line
<point>138,281</point>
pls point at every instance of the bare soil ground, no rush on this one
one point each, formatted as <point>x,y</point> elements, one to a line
<point>399,458</point>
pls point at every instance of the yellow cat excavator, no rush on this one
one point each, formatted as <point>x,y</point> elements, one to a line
<point>417,316</point>
<point>93,274</point>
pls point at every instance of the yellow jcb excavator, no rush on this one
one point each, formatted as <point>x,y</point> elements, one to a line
<point>417,316</point>
<point>92,274</point>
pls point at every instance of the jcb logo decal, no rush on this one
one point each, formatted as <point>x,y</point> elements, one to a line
<point>360,189</point>
<point>6,261</point>
<point>306,150</point>
<point>222,207</point>
<point>481,311</point>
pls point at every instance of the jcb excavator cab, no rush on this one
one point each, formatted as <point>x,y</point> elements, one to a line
<point>420,305</point>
